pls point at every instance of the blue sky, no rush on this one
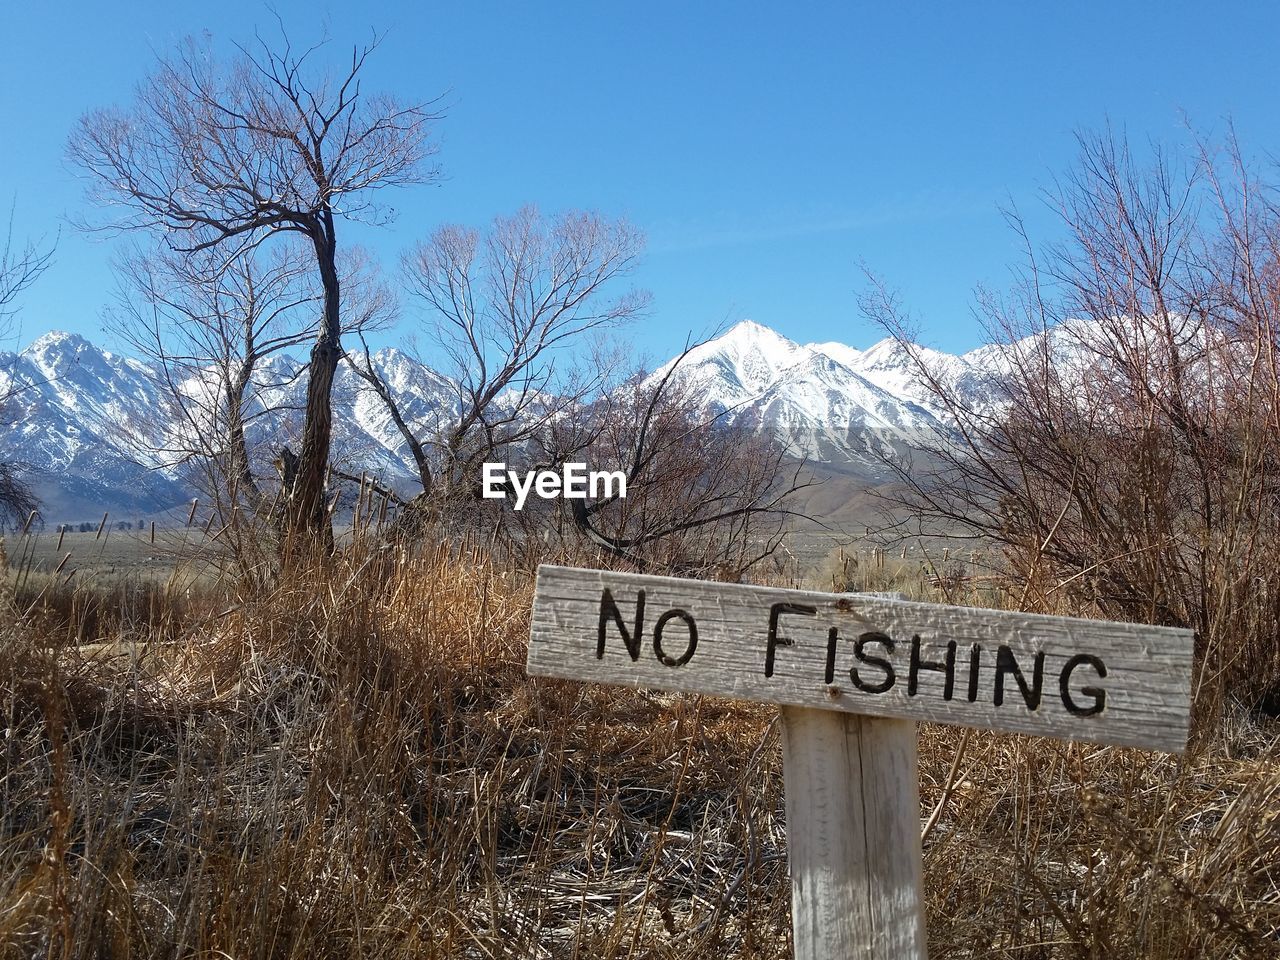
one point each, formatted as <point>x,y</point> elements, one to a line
<point>765,149</point>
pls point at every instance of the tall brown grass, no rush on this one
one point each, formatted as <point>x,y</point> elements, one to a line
<point>352,762</point>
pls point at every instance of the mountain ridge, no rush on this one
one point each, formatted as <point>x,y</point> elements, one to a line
<point>84,421</point>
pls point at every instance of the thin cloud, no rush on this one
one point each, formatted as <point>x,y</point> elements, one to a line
<point>682,236</point>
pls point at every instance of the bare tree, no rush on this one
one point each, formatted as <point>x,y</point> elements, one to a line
<point>502,306</point>
<point>20,266</point>
<point>704,496</point>
<point>221,157</point>
<point>508,309</point>
<point>207,327</point>
<point>1130,465</point>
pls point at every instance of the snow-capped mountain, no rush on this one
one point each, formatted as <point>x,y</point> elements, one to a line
<point>64,401</point>
<point>831,402</point>
<point>94,430</point>
<point>739,366</point>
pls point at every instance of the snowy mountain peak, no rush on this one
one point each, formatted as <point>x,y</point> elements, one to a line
<point>829,401</point>
<point>841,353</point>
<point>884,353</point>
<point>57,343</point>
<point>750,330</point>
<point>742,363</point>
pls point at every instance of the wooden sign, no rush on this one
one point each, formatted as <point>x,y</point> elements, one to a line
<point>1073,679</point>
<point>852,673</point>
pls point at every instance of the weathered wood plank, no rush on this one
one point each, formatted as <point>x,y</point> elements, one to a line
<point>853,836</point>
<point>1054,676</point>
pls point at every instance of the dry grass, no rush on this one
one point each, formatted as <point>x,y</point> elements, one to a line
<point>354,763</point>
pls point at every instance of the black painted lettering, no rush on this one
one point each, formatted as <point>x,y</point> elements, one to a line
<point>833,636</point>
<point>1007,663</point>
<point>775,641</point>
<point>609,611</point>
<point>690,647</point>
<point>975,663</point>
<point>1099,695</point>
<point>881,663</point>
<point>947,667</point>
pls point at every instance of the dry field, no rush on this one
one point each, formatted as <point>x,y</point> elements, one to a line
<point>109,555</point>
<point>353,763</point>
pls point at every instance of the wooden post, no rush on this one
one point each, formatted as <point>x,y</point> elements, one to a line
<point>853,836</point>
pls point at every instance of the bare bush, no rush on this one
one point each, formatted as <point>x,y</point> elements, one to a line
<point>502,308</point>
<point>1128,462</point>
<point>705,497</point>
<point>20,266</point>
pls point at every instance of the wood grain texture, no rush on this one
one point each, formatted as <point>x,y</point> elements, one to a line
<point>853,836</point>
<point>1145,692</point>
